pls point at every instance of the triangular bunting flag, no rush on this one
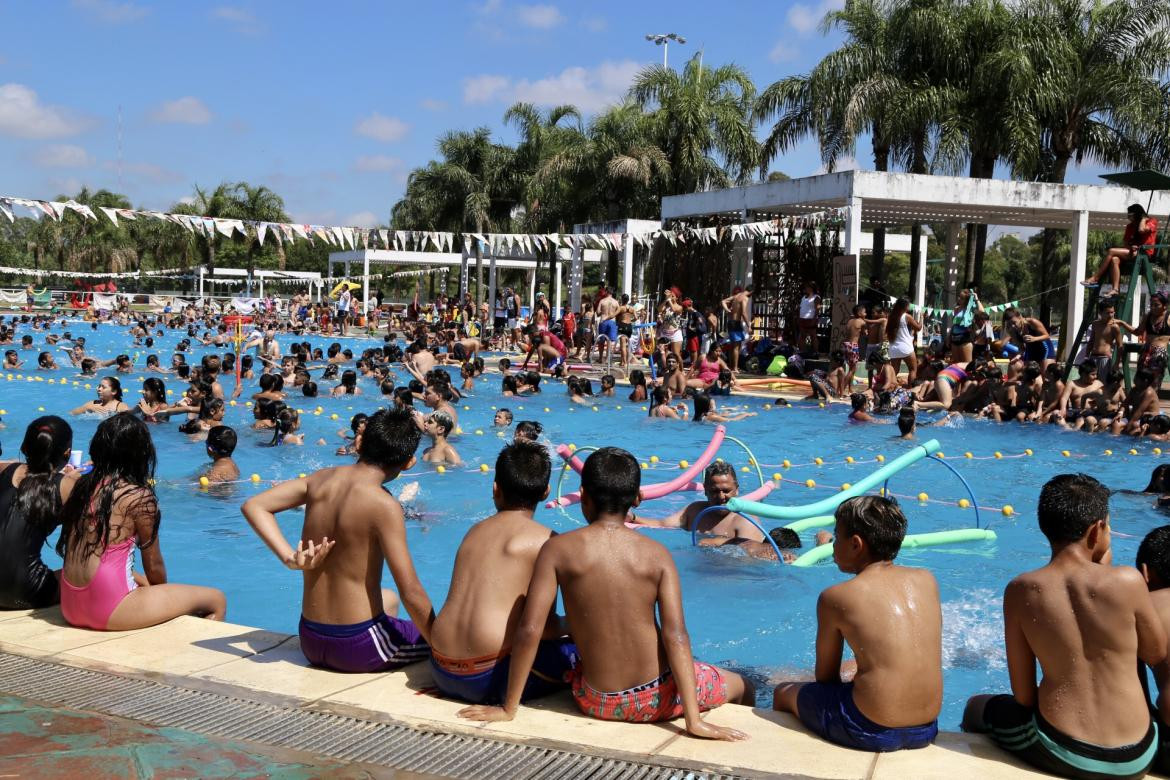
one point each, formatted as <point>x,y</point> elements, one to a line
<point>111,214</point>
<point>261,229</point>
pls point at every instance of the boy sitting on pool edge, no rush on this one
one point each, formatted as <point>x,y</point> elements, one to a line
<point>472,636</point>
<point>347,621</point>
<point>612,578</point>
<point>892,619</point>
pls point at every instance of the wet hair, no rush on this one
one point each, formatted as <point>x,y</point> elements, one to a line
<point>151,360</point>
<point>403,396</point>
<point>1069,504</point>
<point>444,421</point>
<point>877,520</point>
<point>637,377</point>
<point>309,389</point>
<point>357,421</point>
<point>607,381</point>
<point>1159,479</point>
<point>44,358</point>
<point>1154,553</point>
<point>529,429</point>
<point>1159,425</point>
<point>785,538</point>
<point>286,422</point>
<point>506,412</point>
<point>246,363</point>
<point>115,386</point>
<point>702,406</point>
<point>330,371</point>
<point>857,400</point>
<point>523,469</point>
<point>390,439</point>
<point>532,379</point>
<point>509,384</point>
<point>46,446</point>
<point>720,468</point>
<point>659,396</point>
<point>906,420</point>
<point>611,478</point>
<point>267,383</point>
<point>123,457</point>
<point>349,380</point>
<point>156,387</point>
<point>222,440</point>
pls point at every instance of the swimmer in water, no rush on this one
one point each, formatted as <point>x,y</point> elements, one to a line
<point>503,418</point>
<point>108,401</point>
<point>221,443</point>
<point>528,430</point>
<point>438,426</point>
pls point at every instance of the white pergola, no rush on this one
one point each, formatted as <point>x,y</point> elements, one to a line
<point>512,259</point>
<point>311,279</point>
<point>903,198</point>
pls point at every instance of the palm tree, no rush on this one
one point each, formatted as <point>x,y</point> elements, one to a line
<point>1083,85</point>
<point>257,204</point>
<point>702,119</point>
<point>216,204</point>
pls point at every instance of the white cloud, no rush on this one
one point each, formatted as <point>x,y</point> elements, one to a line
<point>848,163</point>
<point>377,163</point>
<point>187,200</point>
<point>362,219</point>
<point>542,17</point>
<point>184,111</point>
<point>596,24</point>
<point>112,12</point>
<point>63,156</point>
<point>68,185</point>
<point>381,128</point>
<point>24,116</point>
<point>240,19</point>
<point>147,171</point>
<point>590,89</point>
<point>782,52</point>
<point>805,17</point>
<point>431,104</point>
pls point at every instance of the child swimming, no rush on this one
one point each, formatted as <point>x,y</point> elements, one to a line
<point>221,443</point>
<point>438,426</point>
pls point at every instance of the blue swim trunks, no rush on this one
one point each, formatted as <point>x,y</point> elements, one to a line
<point>485,680</point>
<point>609,329</point>
<point>377,645</point>
<point>827,710</point>
<point>736,332</point>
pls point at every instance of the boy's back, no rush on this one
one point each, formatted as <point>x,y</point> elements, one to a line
<point>891,617</point>
<point>1081,624</point>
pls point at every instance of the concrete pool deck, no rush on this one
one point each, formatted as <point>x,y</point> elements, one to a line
<point>207,658</point>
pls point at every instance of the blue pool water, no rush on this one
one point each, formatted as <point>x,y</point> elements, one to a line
<point>753,616</point>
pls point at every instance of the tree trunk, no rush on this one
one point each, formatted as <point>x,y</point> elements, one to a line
<point>983,167</point>
<point>881,162</point>
<point>1048,247</point>
<point>281,257</point>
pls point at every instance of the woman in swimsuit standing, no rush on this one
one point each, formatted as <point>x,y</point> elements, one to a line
<point>1155,329</point>
<point>111,510</point>
<point>30,508</point>
<point>108,401</point>
<point>900,327</point>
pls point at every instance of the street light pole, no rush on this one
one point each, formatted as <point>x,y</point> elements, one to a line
<point>663,40</point>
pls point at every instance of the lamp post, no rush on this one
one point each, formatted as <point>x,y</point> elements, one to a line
<point>663,40</point>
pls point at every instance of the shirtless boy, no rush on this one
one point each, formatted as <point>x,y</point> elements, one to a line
<point>1141,400</point>
<point>851,347</point>
<point>1078,392</point>
<point>739,308</point>
<point>221,443</point>
<point>613,579</point>
<point>1105,337</point>
<point>891,616</point>
<point>353,524</point>
<point>1087,623</point>
<point>720,485</point>
<point>438,426</point>
<point>1153,561</point>
<point>472,636</point>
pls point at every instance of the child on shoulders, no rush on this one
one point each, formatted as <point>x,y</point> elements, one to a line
<point>892,619</point>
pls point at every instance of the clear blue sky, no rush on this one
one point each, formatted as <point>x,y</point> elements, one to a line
<point>332,104</point>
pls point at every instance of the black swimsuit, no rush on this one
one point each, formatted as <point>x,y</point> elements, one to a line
<point>25,581</point>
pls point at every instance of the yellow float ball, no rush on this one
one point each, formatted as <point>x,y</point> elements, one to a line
<point>810,483</point>
<point>596,409</point>
<point>493,408</point>
<point>3,412</point>
<point>1133,452</point>
<point>645,408</point>
<point>302,475</point>
<point>572,447</point>
<point>333,416</point>
<point>845,487</point>
<point>1027,452</point>
<point>998,455</point>
<point>169,392</point>
<point>483,467</point>
<point>442,469</point>
<point>644,465</point>
<point>545,408</point>
<point>619,406</point>
<point>848,458</point>
<point>776,477</point>
<point>819,461</point>
<point>786,464</point>
<point>467,408</point>
<point>653,458</point>
<point>204,481</point>
<point>1157,450</point>
<point>232,402</point>
<point>40,408</point>
<point>1008,511</point>
<point>968,455</point>
<point>880,458</point>
<point>682,464</point>
<point>458,431</point>
<point>1108,452</point>
<point>521,408</point>
<point>746,470</point>
<point>255,477</point>
<point>964,503</point>
<point>923,497</point>
<point>1065,453</point>
<point>52,381</point>
<point>479,432</point>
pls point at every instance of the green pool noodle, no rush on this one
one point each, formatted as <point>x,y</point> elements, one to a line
<point>820,521</point>
<point>932,539</point>
<point>829,505</point>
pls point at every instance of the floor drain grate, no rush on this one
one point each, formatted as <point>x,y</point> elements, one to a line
<point>336,736</point>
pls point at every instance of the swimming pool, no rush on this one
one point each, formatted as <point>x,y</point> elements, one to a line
<point>753,616</point>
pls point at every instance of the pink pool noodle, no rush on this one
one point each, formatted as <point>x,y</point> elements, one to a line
<point>659,489</point>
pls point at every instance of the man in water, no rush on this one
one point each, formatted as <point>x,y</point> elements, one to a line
<point>720,485</point>
<point>347,621</point>
<point>739,307</point>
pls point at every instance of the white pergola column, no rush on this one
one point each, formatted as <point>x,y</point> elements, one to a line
<point>492,284</point>
<point>531,291</point>
<point>557,289</point>
<point>261,278</point>
<point>1075,311</point>
<point>463,274</point>
<point>920,281</point>
<point>853,241</point>
<point>202,271</point>
<point>627,264</point>
<point>951,278</point>
<point>576,275</point>
<point>365,283</point>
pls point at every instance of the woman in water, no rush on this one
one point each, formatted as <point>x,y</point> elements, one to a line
<point>705,411</point>
<point>110,511</point>
<point>348,384</point>
<point>108,401</point>
<point>153,403</point>
<point>31,494</point>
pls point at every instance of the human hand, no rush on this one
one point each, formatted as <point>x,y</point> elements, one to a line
<point>704,730</point>
<point>482,712</point>
<point>304,558</point>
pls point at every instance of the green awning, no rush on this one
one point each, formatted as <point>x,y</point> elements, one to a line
<point>1140,180</point>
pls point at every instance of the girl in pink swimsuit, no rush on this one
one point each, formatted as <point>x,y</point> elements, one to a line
<point>111,510</point>
<point>706,370</point>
